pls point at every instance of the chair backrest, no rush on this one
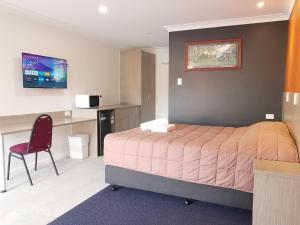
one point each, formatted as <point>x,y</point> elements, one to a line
<point>41,135</point>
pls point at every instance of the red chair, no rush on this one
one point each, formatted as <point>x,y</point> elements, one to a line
<point>40,140</point>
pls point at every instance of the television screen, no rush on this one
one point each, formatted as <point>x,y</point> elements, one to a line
<point>43,72</point>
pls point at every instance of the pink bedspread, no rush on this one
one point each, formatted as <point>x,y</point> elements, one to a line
<point>220,156</point>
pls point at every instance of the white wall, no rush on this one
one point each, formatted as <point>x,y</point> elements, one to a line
<point>93,69</point>
<point>93,66</point>
<point>162,82</point>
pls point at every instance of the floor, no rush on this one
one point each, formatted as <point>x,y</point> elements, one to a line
<point>51,195</point>
<point>136,207</point>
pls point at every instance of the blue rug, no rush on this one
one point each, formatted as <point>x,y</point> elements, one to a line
<point>135,207</point>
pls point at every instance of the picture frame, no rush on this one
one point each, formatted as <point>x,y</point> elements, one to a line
<point>213,55</point>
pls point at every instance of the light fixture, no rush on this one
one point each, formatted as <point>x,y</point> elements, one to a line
<point>260,4</point>
<point>103,9</point>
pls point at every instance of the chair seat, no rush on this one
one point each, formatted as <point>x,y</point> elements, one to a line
<point>19,148</point>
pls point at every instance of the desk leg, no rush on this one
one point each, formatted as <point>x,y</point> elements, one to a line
<point>2,167</point>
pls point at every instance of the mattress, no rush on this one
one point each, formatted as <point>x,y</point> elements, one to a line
<point>218,156</point>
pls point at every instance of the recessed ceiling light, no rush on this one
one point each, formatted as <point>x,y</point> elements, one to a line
<point>260,4</point>
<point>103,9</point>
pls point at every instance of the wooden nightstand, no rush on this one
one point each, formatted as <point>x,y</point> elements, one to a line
<point>276,193</point>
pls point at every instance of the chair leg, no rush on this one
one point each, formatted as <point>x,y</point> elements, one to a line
<point>35,166</point>
<point>53,161</point>
<point>23,159</point>
<point>8,167</point>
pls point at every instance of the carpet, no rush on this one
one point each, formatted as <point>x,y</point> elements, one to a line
<point>135,207</point>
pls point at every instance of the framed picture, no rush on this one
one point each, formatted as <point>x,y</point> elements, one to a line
<point>213,55</point>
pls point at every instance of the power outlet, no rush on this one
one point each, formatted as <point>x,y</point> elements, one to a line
<point>296,99</point>
<point>270,116</point>
<point>179,81</point>
<point>68,113</point>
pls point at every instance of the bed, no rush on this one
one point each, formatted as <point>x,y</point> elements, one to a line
<point>213,164</point>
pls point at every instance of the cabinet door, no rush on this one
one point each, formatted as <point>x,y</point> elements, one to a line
<point>134,117</point>
<point>121,120</point>
<point>148,87</point>
<point>127,118</point>
<point>130,77</point>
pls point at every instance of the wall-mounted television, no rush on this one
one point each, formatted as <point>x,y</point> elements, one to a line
<point>44,72</point>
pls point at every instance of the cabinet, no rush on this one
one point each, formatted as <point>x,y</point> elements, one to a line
<point>137,81</point>
<point>127,118</point>
<point>117,118</point>
<point>276,193</point>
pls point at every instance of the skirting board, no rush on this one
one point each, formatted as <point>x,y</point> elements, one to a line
<point>206,193</point>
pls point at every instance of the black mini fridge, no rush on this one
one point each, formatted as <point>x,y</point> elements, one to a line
<point>106,124</point>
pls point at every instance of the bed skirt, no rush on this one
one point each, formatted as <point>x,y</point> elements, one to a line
<point>206,193</point>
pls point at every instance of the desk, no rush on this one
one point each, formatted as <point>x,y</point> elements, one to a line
<point>276,193</point>
<point>122,117</point>
<point>10,128</point>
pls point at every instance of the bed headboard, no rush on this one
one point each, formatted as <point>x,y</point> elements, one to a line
<point>291,115</point>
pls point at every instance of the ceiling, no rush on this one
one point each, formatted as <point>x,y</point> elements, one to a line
<point>145,23</point>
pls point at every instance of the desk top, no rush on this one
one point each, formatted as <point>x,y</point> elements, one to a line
<point>110,107</point>
<point>277,167</point>
<point>27,126</point>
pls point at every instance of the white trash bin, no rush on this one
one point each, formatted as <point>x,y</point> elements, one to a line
<point>79,146</point>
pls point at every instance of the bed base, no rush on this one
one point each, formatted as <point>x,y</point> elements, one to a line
<point>206,193</point>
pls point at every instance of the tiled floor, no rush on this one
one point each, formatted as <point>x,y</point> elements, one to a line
<point>51,195</point>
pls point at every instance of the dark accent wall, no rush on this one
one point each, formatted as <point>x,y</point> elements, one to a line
<point>230,97</point>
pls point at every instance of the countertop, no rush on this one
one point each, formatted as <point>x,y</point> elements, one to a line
<point>109,107</point>
<point>27,126</point>
<point>276,167</point>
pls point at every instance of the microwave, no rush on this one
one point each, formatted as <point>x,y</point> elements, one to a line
<point>87,101</point>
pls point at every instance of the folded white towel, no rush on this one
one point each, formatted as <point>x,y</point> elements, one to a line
<point>153,123</point>
<point>163,128</point>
